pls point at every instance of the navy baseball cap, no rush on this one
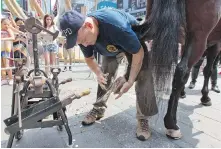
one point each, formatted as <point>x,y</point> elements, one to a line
<point>70,23</point>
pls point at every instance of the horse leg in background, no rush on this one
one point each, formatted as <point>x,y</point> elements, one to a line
<point>193,50</point>
<point>207,71</point>
<point>214,74</point>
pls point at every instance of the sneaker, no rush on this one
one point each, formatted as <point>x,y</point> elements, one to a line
<point>70,68</point>
<point>192,85</point>
<point>10,82</point>
<point>143,132</point>
<point>65,69</point>
<point>93,115</point>
<point>215,88</point>
<point>4,82</point>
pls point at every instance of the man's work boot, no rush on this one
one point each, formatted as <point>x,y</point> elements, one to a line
<point>93,115</point>
<point>215,88</point>
<point>143,132</point>
<point>192,85</point>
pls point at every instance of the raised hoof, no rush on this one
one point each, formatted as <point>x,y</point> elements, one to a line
<point>183,96</point>
<point>173,134</point>
<point>209,103</point>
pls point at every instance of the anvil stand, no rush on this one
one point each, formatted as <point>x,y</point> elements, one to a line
<point>26,114</point>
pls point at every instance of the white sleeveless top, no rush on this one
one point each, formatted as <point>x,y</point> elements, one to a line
<point>53,29</point>
<point>5,44</point>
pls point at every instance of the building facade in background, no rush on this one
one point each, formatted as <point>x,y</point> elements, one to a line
<point>103,4</point>
<point>83,6</point>
<point>135,7</point>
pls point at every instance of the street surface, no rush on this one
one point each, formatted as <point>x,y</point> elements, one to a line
<point>200,126</point>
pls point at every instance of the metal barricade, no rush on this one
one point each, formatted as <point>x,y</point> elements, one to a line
<point>18,51</point>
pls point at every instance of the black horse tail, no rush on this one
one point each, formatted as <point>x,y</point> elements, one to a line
<point>165,21</point>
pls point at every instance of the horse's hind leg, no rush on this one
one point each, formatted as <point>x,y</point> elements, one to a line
<point>170,121</point>
<point>179,80</point>
<point>194,49</point>
<point>207,71</point>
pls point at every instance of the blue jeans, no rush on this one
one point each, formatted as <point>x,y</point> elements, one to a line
<point>51,48</point>
<point>5,54</point>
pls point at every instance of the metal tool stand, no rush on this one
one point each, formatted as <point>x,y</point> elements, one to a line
<point>27,114</point>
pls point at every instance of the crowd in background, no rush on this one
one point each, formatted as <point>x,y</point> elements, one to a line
<point>16,43</point>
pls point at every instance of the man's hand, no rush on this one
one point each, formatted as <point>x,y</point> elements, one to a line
<point>102,80</point>
<point>118,84</point>
<point>124,89</point>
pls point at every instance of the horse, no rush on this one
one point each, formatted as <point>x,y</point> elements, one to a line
<point>169,22</point>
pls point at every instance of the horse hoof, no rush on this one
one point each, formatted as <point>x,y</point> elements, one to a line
<point>208,103</point>
<point>183,96</point>
<point>173,134</point>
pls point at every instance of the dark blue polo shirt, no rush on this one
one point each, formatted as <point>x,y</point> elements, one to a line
<point>115,33</point>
